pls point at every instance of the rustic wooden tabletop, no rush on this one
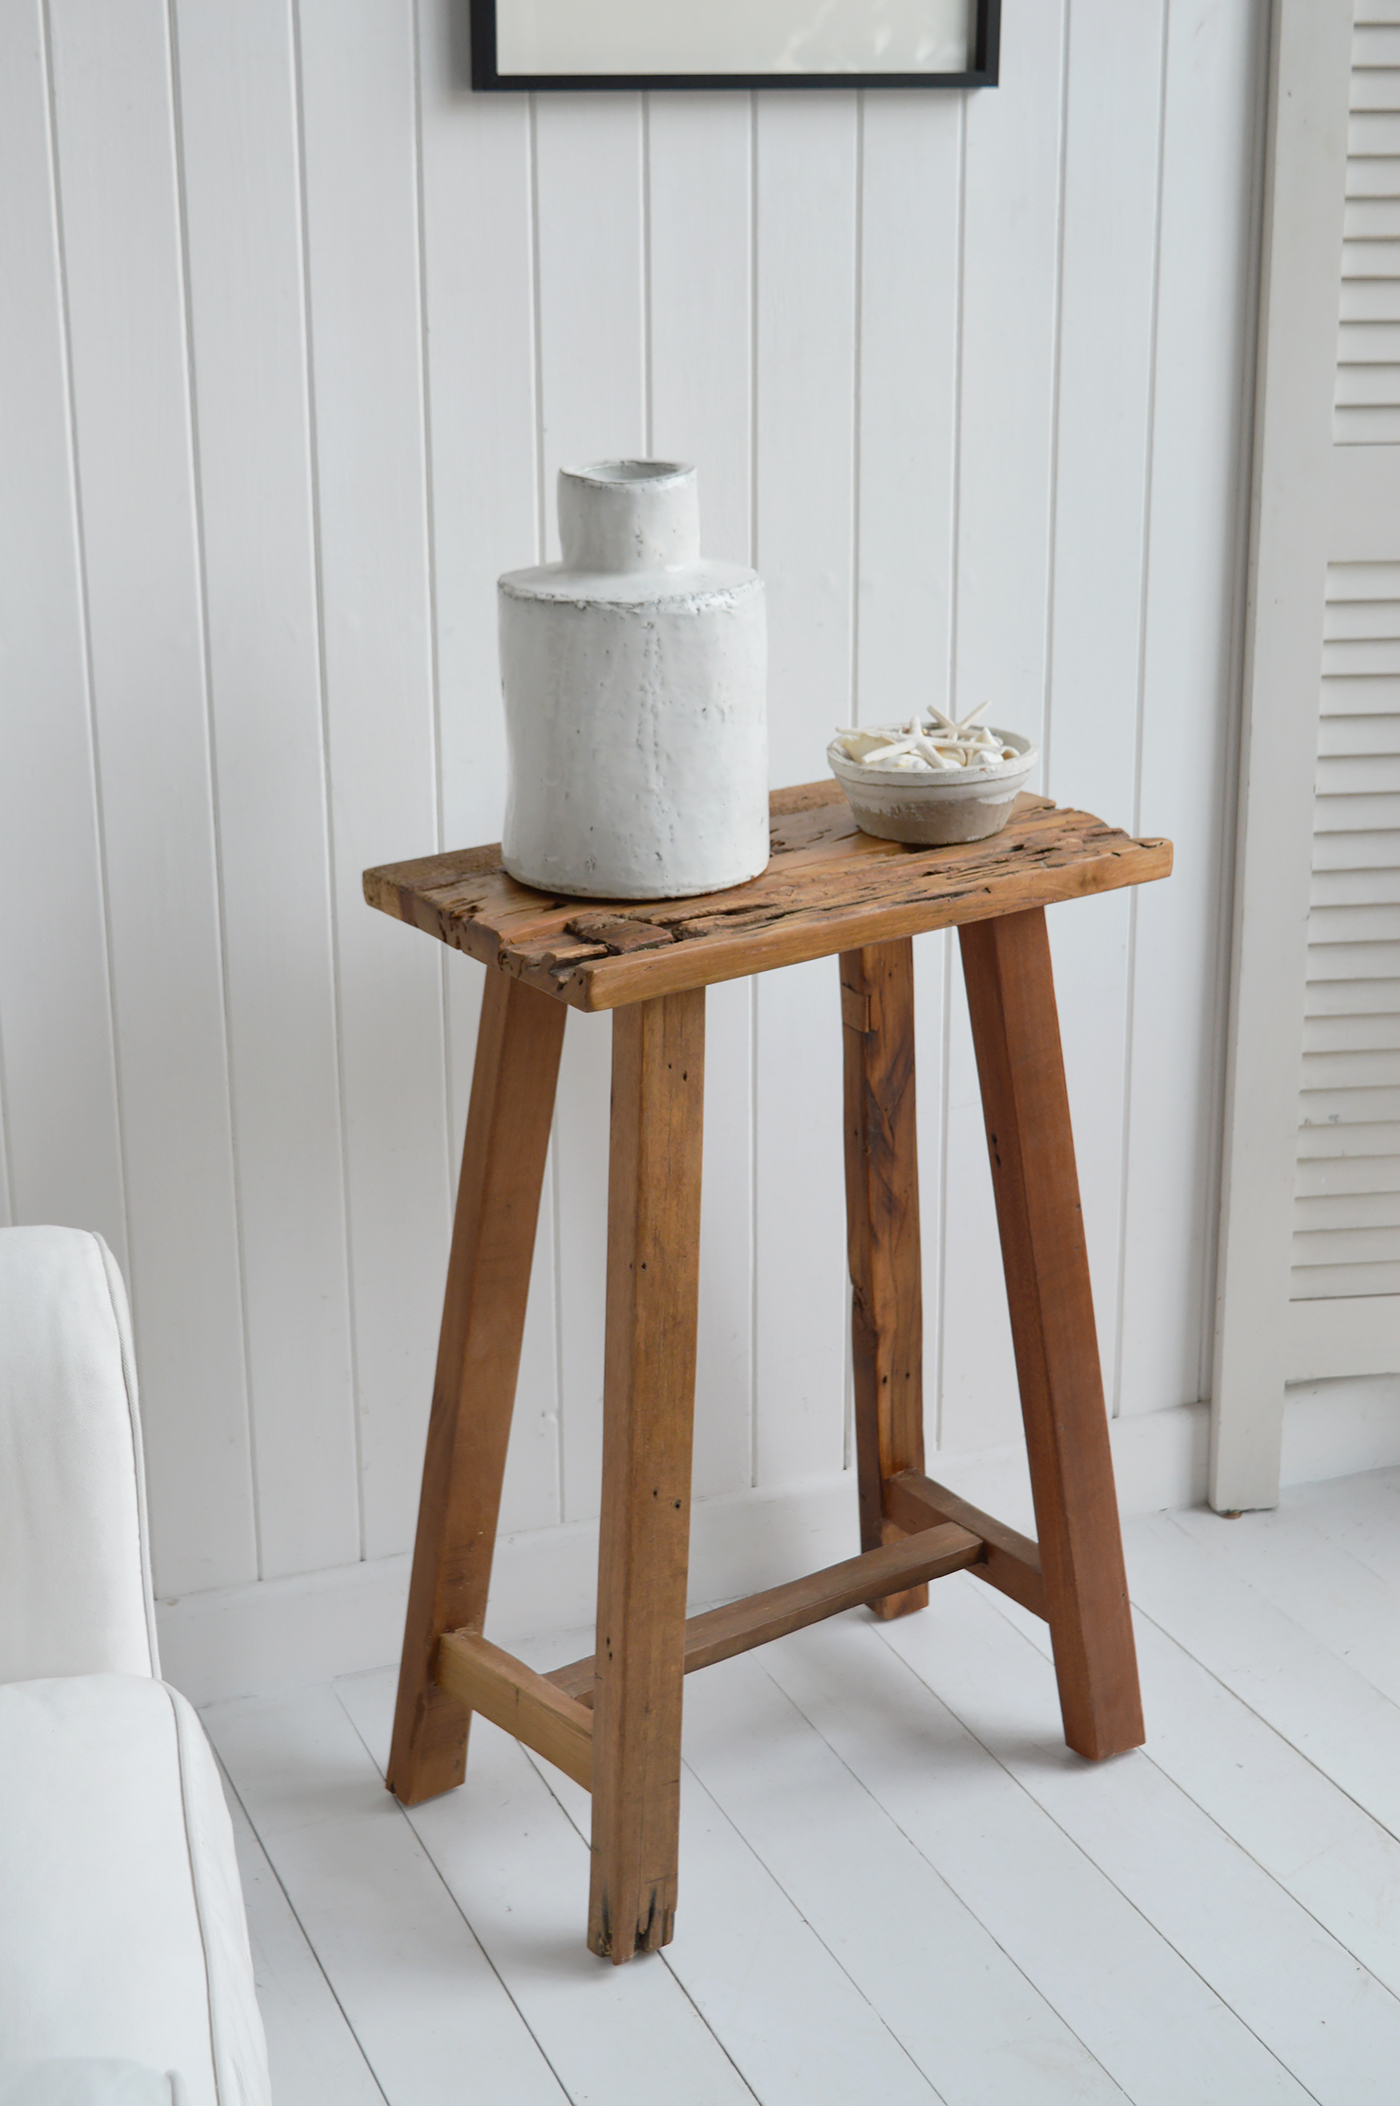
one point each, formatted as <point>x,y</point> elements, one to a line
<point>828,888</point>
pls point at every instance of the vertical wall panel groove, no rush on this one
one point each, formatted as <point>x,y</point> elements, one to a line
<point>696,225</point>
<point>481,377</point>
<point>357,68</point>
<point>60,1077</point>
<point>1190,712</point>
<point>202,590</point>
<point>329,881</point>
<point>131,396</point>
<point>806,195</point>
<point>1139,709</point>
<point>1107,273</point>
<point>1011,244</point>
<point>591,273</point>
<point>248,339</point>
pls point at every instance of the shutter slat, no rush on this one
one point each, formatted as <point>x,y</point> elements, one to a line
<point>1364,887</point>
<point>1347,1210</point>
<point>1370,386</point>
<point>1355,1068</point>
<point>1375,175</point>
<point>1362,654</point>
<point>1375,86</point>
<point>1372,43</point>
<point>1365,695</point>
<point>1372,134</point>
<point>1334,998</point>
<point>1377,583</point>
<point>1370,343</point>
<point>1374,256</point>
<point>1316,1283</point>
<point>1372,219</point>
<point>1348,1176</point>
<point>1373,921</point>
<point>1358,813</point>
<point>1347,1034</point>
<point>1349,1246</point>
<point>1333,1109</point>
<point>1368,299</point>
<point>1358,774</point>
<point>1322,1144</point>
<point>1376,732</point>
<point>1353,961</point>
<point>1366,618</point>
<point>1362,849</point>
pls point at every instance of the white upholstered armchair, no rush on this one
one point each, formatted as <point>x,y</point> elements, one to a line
<point>125,1974</point>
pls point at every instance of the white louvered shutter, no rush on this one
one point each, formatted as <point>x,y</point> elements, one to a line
<point>1346,1235</point>
<point>1309,1282</point>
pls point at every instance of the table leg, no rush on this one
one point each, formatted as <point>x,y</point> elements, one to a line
<point>488,1278</point>
<point>882,1234</point>
<point>648,1408</point>
<point>1016,1032</point>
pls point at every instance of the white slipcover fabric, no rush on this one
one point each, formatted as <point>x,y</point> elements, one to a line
<point>75,1594</point>
<point>88,2083</point>
<point>124,1958</point>
<point>122,1930</point>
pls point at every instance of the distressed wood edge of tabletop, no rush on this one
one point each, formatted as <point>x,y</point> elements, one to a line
<point>601,955</point>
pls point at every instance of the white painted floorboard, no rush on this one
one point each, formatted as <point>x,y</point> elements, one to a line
<point>312,2053</point>
<point>896,1883</point>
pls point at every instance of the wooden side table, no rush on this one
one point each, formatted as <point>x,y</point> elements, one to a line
<point>613,1722</point>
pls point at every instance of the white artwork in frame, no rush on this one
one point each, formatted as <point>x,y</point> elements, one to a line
<point>734,43</point>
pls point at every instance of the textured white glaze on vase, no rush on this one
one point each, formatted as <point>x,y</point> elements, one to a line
<point>634,677</point>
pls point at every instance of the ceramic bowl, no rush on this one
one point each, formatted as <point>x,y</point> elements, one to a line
<point>959,804</point>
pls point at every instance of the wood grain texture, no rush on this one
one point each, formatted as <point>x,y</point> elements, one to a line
<point>882,1235</point>
<point>1009,1561</point>
<point>758,1619</point>
<point>483,1319</point>
<point>1011,1000</point>
<point>828,888</point>
<point>649,1393</point>
<point>523,1703</point>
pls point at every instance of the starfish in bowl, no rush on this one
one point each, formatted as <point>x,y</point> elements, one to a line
<point>955,745</point>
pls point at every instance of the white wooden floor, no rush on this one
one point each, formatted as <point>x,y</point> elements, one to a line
<point>896,1884</point>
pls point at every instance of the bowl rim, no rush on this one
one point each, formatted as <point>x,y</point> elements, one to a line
<point>944,784</point>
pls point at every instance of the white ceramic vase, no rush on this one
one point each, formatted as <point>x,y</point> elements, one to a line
<point>634,677</point>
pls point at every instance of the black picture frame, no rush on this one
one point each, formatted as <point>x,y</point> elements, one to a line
<point>986,41</point>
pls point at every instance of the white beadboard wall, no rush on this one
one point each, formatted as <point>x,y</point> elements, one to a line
<point>294,335</point>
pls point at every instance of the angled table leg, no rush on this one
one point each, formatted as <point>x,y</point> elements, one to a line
<point>658,1084</point>
<point>1016,1032</point>
<point>882,1234</point>
<point>488,1279</point>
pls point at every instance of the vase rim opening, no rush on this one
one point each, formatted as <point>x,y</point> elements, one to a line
<point>629,471</point>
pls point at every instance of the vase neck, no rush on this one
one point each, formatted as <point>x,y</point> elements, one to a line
<point>629,515</point>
